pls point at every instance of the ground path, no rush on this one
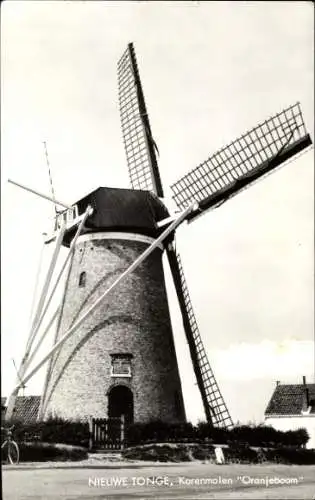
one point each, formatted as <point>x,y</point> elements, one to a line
<point>94,479</point>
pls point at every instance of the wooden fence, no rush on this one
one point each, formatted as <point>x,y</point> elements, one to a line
<point>107,433</point>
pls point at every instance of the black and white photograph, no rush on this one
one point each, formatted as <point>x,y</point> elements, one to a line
<point>157,250</point>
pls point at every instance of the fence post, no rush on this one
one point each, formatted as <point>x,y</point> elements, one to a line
<point>91,433</point>
<point>122,431</point>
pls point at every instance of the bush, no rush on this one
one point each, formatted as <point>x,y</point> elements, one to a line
<point>241,453</point>
<point>203,453</point>
<point>297,438</point>
<point>254,436</point>
<point>42,452</point>
<point>159,453</point>
<point>76,433</point>
<point>205,431</point>
<point>291,456</point>
<point>235,453</point>
<point>283,455</point>
<point>52,431</point>
<point>158,432</point>
<point>263,435</point>
<point>66,431</point>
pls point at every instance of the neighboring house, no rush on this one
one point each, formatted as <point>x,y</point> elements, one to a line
<point>292,406</point>
<point>26,409</point>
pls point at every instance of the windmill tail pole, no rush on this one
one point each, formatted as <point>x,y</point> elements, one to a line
<point>130,269</point>
<point>49,198</point>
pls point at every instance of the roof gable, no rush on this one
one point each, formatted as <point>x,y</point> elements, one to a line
<point>26,408</point>
<point>289,399</point>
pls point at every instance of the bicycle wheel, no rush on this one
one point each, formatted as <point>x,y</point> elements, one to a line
<point>5,452</point>
<point>13,453</point>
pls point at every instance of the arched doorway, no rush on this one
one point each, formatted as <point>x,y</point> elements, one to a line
<point>120,402</point>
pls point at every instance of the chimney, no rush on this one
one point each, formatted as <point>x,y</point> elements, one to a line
<point>277,383</point>
<point>304,380</point>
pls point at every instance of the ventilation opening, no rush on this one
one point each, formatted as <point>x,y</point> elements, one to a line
<point>82,279</point>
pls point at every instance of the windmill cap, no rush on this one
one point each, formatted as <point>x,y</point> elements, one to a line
<point>123,210</point>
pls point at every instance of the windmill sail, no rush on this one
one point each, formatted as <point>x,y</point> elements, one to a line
<point>144,174</point>
<point>242,162</point>
<point>215,408</point>
<point>139,144</point>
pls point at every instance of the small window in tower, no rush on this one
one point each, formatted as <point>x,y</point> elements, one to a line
<point>121,365</point>
<point>82,279</point>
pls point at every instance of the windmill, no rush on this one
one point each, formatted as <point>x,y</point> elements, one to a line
<point>114,351</point>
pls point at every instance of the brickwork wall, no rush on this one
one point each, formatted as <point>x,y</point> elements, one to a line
<point>134,318</point>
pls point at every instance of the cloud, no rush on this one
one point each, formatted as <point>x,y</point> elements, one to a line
<point>285,361</point>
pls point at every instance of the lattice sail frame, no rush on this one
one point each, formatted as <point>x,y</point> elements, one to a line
<point>139,144</point>
<point>144,174</point>
<point>220,177</point>
<point>244,160</point>
<point>215,407</point>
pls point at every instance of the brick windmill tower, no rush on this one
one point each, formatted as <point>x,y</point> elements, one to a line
<point>122,360</point>
<point>115,354</point>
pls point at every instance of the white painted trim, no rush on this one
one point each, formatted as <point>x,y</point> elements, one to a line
<point>117,236</point>
<point>121,375</point>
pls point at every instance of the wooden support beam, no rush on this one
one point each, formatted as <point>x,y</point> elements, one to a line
<point>40,313</point>
<point>39,343</point>
<point>31,338</point>
<point>130,269</point>
<point>46,285</point>
<point>79,230</point>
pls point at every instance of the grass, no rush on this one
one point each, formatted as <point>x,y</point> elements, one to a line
<point>186,452</point>
<point>43,452</point>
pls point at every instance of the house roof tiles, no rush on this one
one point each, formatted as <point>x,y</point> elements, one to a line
<point>290,399</point>
<point>26,408</point>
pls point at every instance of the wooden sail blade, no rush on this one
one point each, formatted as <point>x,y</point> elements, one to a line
<point>215,408</point>
<point>236,166</point>
<point>139,144</point>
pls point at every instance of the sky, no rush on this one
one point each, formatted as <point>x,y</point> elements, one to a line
<point>210,72</point>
